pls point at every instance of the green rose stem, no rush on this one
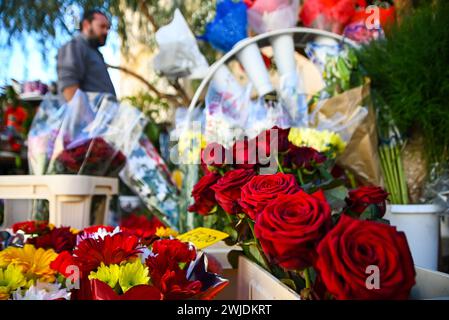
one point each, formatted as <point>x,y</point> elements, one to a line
<point>300,177</point>
<point>396,180</point>
<point>259,247</point>
<point>307,278</point>
<point>279,164</point>
<point>402,181</point>
<point>387,173</point>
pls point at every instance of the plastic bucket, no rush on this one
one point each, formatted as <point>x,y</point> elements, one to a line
<point>421,225</point>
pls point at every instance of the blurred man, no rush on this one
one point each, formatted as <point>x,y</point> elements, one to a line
<point>80,64</point>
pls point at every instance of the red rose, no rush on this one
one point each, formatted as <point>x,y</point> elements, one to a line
<point>303,157</point>
<point>260,190</point>
<point>244,154</point>
<point>213,155</point>
<point>352,246</point>
<point>359,199</point>
<point>203,195</point>
<point>290,227</point>
<point>275,136</point>
<point>228,189</point>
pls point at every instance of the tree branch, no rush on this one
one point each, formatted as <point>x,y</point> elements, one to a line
<point>146,13</point>
<point>152,88</point>
<point>185,98</point>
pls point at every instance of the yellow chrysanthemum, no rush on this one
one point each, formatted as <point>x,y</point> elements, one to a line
<point>163,232</point>
<point>11,279</point>
<point>133,274</point>
<point>320,140</point>
<point>35,263</point>
<point>108,274</point>
<point>190,145</point>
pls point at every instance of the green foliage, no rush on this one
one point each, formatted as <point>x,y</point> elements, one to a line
<point>50,20</point>
<point>409,72</point>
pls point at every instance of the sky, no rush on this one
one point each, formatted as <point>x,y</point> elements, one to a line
<point>24,61</point>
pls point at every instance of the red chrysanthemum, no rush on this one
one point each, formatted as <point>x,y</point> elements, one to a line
<point>168,266</point>
<point>140,225</point>
<point>58,239</point>
<point>175,286</point>
<point>31,227</point>
<point>64,264</point>
<point>114,249</point>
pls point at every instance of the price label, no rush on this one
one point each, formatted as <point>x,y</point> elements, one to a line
<point>203,237</point>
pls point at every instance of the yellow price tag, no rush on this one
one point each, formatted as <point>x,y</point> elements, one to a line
<point>202,237</point>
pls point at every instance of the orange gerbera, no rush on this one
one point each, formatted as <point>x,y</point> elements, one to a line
<point>35,263</point>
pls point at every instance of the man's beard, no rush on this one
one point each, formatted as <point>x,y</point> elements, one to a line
<point>95,41</point>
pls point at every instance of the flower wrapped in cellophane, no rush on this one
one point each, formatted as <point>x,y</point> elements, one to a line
<point>179,55</point>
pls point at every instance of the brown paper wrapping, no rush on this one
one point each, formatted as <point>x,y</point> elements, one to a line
<point>360,157</point>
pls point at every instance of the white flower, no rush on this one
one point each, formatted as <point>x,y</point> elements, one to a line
<point>101,233</point>
<point>145,253</point>
<point>43,291</point>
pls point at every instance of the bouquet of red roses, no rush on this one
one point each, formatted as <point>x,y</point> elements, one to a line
<point>300,222</point>
<point>92,157</point>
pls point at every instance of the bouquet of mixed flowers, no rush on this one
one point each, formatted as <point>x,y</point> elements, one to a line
<point>300,221</point>
<point>137,262</point>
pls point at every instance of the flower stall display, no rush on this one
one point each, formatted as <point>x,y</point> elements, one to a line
<point>41,262</point>
<point>94,134</point>
<point>302,220</point>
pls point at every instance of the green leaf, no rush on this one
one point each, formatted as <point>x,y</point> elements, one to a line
<point>336,197</point>
<point>289,283</point>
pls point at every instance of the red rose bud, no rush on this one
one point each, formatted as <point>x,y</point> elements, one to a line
<point>273,137</point>
<point>262,189</point>
<point>244,154</point>
<point>228,189</point>
<point>203,195</point>
<point>361,198</point>
<point>303,157</point>
<point>290,227</point>
<point>213,155</point>
<point>351,253</point>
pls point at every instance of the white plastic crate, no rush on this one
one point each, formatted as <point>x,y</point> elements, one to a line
<point>69,197</point>
<point>251,282</point>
